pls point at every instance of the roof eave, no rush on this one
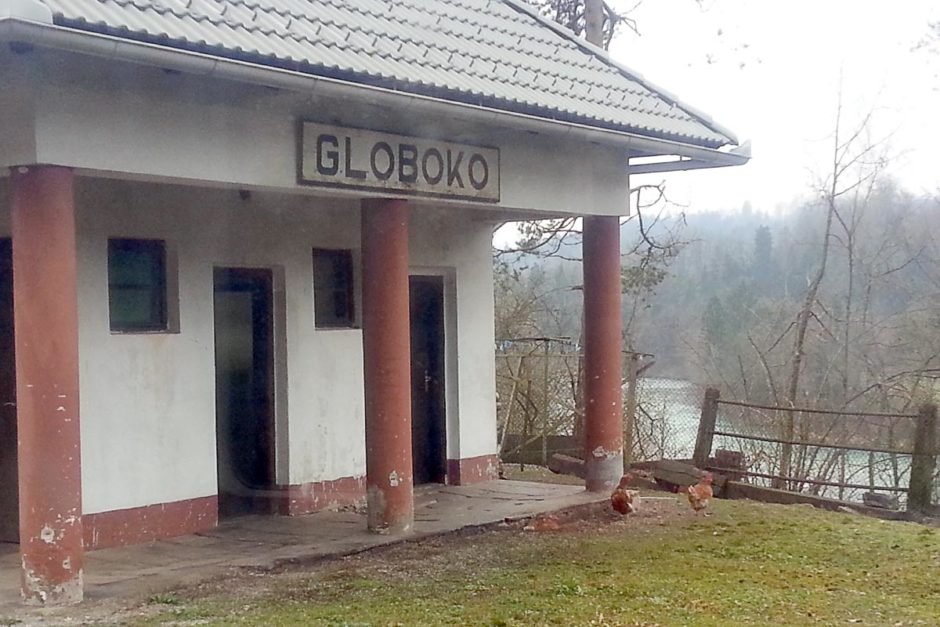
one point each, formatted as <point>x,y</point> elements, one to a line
<point>630,73</point>
<point>738,155</point>
<point>15,29</point>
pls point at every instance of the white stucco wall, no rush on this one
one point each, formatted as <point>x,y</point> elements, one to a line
<point>145,123</point>
<point>464,257</point>
<point>148,400</point>
<point>17,111</point>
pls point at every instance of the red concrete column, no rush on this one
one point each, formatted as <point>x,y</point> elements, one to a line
<point>46,327</point>
<point>386,343</point>
<point>603,407</point>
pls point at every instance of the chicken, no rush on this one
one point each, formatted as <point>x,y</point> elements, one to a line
<point>544,523</point>
<point>623,500</point>
<point>701,493</point>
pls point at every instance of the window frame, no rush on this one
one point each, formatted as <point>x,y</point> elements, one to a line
<point>159,291</point>
<point>348,292</point>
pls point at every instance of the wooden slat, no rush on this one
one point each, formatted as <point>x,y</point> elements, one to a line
<point>834,484</point>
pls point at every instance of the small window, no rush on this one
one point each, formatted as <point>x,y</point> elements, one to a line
<point>137,291</point>
<point>333,288</point>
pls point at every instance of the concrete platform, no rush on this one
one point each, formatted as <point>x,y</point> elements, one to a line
<point>265,542</point>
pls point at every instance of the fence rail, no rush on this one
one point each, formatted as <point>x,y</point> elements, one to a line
<point>807,410</point>
<point>833,484</point>
<point>844,447</point>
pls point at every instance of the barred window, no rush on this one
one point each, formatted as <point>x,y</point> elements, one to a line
<point>137,293</point>
<point>333,288</point>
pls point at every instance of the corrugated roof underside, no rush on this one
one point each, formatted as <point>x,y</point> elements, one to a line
<point>480,51</point>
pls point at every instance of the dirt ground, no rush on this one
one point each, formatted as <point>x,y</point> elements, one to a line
<point>747,564</point>
<point>409,560</point>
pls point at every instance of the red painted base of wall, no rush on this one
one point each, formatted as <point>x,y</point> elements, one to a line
<point>167,520</point>
<point>153,522</point>
<point>307,498</point>
<point>472,470</point>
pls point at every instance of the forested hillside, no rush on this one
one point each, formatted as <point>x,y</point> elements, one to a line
<point>726,309</point>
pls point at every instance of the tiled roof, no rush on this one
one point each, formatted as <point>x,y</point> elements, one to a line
<point>494,53</point>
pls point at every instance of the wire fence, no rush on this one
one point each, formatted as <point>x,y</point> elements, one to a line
<point>667,419</point>
<point>539,387</point>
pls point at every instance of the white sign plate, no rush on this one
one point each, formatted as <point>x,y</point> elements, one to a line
<point>334,156</point>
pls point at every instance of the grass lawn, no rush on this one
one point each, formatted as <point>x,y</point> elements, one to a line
<point>749,563</point>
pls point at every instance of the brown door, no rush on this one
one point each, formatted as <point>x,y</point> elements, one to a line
<point>244,366</point>
<point>428,417</point>
<point>9,487</point>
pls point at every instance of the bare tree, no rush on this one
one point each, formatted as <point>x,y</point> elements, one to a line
<point>571,14</point>
<point>856,337</point>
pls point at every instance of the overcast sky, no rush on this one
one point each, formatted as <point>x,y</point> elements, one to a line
<point>770,72</point>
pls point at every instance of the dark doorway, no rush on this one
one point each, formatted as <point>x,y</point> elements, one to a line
<point>244,366</point>
<point>9,485</point>
<point>428,417</point>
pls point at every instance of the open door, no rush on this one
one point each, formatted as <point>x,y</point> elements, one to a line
<point>244,367</point>
<point>9,485</point>
<point>428,411</point>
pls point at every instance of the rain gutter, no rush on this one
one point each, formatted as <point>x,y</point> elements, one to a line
<point>22,29</point>
<point>739,155</point>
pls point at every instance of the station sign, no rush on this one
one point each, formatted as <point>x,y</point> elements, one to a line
<point>334,156</point>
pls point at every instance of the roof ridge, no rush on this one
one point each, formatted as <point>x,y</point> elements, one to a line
<point>605,56</point>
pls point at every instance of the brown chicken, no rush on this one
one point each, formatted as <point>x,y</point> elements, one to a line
<point>623,500</point>
<point>544,523</point>
<point>701,493</point>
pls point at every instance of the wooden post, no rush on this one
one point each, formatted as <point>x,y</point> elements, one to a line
<point>509,405</point>
<point>924,459</point>
<point>526,421</point>
<point>579,396</point>
<point>629,414</point>
<point>545,403</point>
<point>706,428</point>
<point>786,451</point>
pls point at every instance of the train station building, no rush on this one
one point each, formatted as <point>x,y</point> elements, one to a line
<point>246,267</point>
